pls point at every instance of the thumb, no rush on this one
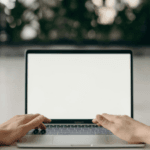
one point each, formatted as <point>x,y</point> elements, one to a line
<point>104,122</point>
<point>34,123</point>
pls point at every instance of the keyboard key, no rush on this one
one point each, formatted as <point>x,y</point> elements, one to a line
<point>76,130</point>
<point>52,126</point>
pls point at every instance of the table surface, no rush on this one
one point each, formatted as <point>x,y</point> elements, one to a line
<point>12,81</point>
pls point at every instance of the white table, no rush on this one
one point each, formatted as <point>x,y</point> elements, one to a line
<point>12,87</point>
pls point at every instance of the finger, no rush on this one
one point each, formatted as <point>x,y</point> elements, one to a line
<point>47,120</point>
<point>34,123</point>
<point>98,124</point>
<point>29,117</point>
<point>109,117</point>
<point>41,126</point>
<point>104,122</point>
<point>94,121</point>
<point>32,116</point>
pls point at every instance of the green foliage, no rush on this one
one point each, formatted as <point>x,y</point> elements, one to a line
<point>76,20</point>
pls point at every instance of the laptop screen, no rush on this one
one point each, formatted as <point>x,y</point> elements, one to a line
<point>78,86</point>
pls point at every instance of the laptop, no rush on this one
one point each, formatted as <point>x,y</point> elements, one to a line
<point>71,87</point>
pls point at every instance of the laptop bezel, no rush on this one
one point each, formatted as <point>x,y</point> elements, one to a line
<point>76,121</point>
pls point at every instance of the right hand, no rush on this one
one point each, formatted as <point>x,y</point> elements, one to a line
<point>14,129</point>
<point>125,128</point>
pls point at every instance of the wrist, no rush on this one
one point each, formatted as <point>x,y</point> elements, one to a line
<point>145,134</point>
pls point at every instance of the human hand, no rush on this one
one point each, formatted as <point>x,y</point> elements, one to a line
<point>14,129</point>
<point>125,128</point>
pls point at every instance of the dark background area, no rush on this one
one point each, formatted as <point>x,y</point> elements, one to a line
<point>80,22</point>
<point>75,24</point>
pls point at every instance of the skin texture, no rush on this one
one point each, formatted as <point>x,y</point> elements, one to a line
<point>125,128</point>
<point>14,129</point>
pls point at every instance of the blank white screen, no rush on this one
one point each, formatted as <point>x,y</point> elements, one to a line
<point>79,86</point>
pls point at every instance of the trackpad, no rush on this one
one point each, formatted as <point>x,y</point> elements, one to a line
<point>79,140</point>
<point>36,141</point>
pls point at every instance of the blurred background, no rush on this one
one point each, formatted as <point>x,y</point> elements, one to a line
<point>72,24</point>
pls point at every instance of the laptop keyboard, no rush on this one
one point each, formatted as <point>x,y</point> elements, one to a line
<point>72,130</point>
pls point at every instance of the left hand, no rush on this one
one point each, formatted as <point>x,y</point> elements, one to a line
<point>14,129</point>
<point>125,128</point>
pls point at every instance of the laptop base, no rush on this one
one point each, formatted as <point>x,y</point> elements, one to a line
<point>75,141</point>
